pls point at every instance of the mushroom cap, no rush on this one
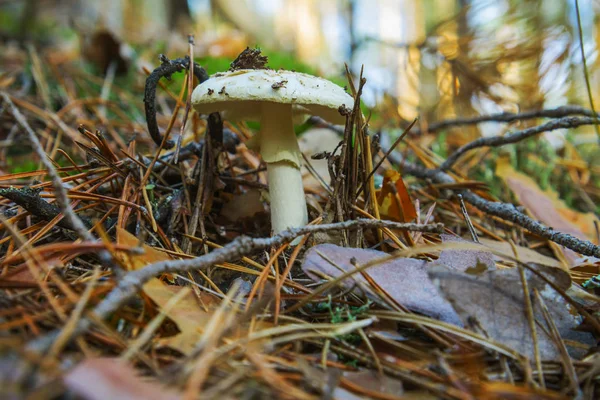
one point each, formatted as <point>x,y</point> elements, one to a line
<point>242,93</point>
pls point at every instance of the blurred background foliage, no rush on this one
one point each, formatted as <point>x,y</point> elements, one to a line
<point>435,59</point>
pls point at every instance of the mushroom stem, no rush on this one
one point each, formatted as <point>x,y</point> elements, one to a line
<point>279,148</point>
<point>286,193</point>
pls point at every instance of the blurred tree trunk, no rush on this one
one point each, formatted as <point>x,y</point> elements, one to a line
<point>405,59</point>
<point>144,20</point>
<point>431,71</point>
<point>464,87</point>
<point>132,21</point>
<point>299,25</point>
<point>178,13</point>
<point>531,96</point>
<point>28,17</point>
<point>247,20</point>
<point>351,16</point>
<point>28,11</point>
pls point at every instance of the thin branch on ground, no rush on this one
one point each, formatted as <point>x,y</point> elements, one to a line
<point>505,117</point>
<point>504,211</point>
<point>129,284</point>
<point>61,194</point>
<point>31,201</point>
<point>497,141</point>
<point>71,219</point>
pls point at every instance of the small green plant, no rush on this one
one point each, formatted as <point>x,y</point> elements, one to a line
<point>592,283</point>
<point>150,189</point>
<point>17,166</point>
<point>344,314</point>
<point>440,146</point>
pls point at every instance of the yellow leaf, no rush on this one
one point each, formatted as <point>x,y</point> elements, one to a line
<point>393,198</point>
<point>190,314</point>
<point>524,254</point>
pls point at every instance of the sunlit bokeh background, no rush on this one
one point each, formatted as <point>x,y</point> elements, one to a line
<point>436,59</point>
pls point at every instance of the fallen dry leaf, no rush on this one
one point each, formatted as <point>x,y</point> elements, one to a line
<point>523,253</point>
<point>461,260</point>
<point>394,200</point>
<point>191,312</point>
<point>547,207</point>
<point>110,378</point>
<point>470,289</point>
<point>357,384</point>
<point>244,205</point>
<point>493,300</point>
<point>404,279</point>
<point>189,315</point>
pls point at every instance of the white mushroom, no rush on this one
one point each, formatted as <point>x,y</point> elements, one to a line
<point>274,98</point>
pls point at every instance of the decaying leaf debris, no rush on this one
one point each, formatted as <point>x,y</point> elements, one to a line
<point>124,260</point>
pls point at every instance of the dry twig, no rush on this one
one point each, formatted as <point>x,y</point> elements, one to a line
<point>131,283</point>
<point>507,117</point>
<point>61,194</point>
<point>515,137</point>
<point>502,210</point>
